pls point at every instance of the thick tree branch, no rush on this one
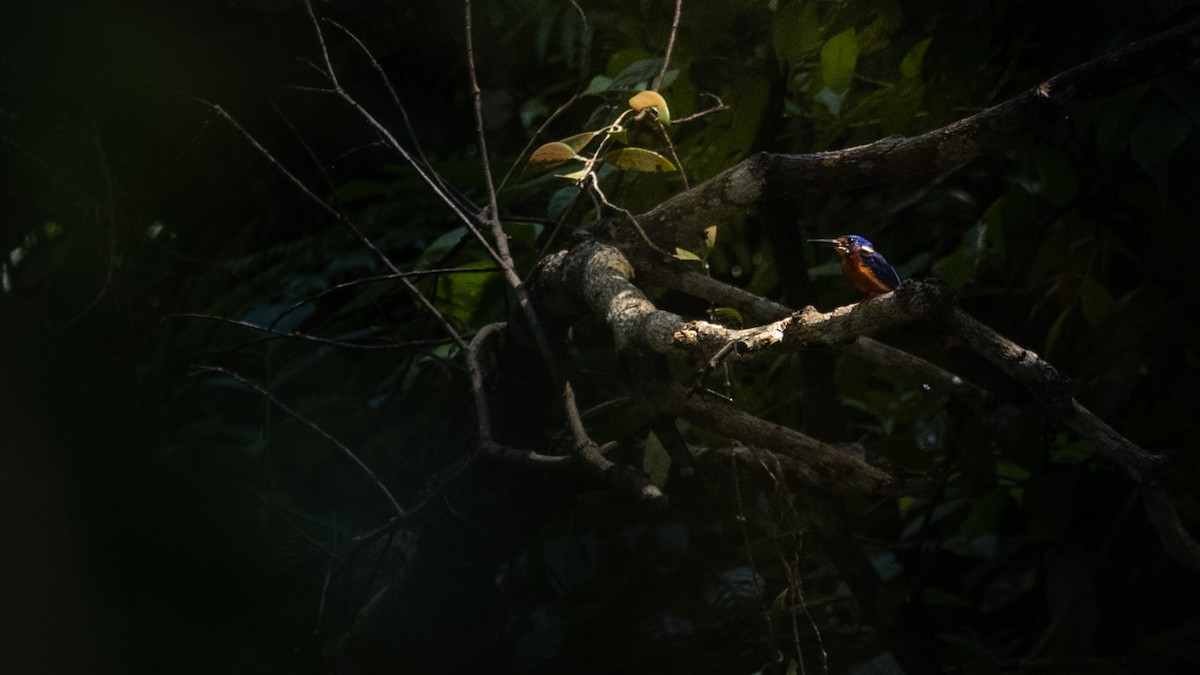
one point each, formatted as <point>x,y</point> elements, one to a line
<point>808,327</point>
<point>1054,389</point>
<point>758,309</point>
<point>598,277</point>
<point>1051,387</point>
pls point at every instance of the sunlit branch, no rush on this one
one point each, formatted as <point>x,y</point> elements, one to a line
<point>604,276</point>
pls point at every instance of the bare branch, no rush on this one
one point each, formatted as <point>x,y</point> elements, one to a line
<point>911,300</point>
<point>757,309</point>
<point>597,276</point>
<point>588,457</point>
<point>448,190</point>
<point>670,46</point>
<point>304,336</point>
<point>374,280</point>
<point>329,71</point>
<point>813,461</point>
<point>400,512</point>
<point>716,107</point>
<point>477,97</point>
<point>585,50</point>
<point>1027,368</point>
<point>876,352</point>
<point>430,177</point>
<point>344,221</point>
<point>362,238</point>
<point>1177,541</point>
<point>483,411</point>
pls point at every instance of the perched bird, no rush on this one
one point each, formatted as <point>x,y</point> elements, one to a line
<point>863,266</point>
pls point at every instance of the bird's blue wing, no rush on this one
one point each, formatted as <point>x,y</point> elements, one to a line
<point>881,270</point>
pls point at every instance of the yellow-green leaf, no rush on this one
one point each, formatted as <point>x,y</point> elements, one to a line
<point>796,31</point>
<point>620,135</point>
<point>839,58</point>
<point>910,65</point>
<point>578,141</point>
<point>651,99</point>
<point>684,254</point>
<point>1095,300</point>
<point>575,175</point>
<point>639,159</point>
<point>655,461</point>
<point>726,316</point>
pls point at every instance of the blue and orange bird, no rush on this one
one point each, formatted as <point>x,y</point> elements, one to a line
<point>863,266</point>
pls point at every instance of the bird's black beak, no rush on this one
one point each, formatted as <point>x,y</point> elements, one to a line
<point>839,244</point>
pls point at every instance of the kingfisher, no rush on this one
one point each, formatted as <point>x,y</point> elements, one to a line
<point>863,266</point>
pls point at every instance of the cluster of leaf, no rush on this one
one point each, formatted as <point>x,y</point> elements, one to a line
<point>646,106</point>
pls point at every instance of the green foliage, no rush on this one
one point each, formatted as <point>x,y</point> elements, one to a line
<point>839,58</point>
<point>639,159</point>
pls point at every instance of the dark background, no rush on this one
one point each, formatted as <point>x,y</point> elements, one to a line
<point>159,521</point>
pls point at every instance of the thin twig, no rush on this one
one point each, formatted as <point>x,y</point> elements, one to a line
<point>717,107</point>
<point>585,447</point>
<point>431,178</point>
<point>581,184</point>
<point>324,591</point>
<point>343,220</point>
<point>670,45</point>
<point>583,69</point>
<point>448,189</point>
<point>311,425</point>
<point>105,216</point>
<point>329,71</point>
<point>666,137</point>
<point>299,336</point>
<point>376,279</point>
<point>627,213</point>
<point>308,150</point>
<point>477,97</point>
<point>533,139</point>
<point>483,413</point>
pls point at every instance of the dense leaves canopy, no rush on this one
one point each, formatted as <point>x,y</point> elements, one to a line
<point>168,517</point>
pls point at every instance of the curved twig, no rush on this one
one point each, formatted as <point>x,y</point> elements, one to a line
<point>400,512</point>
